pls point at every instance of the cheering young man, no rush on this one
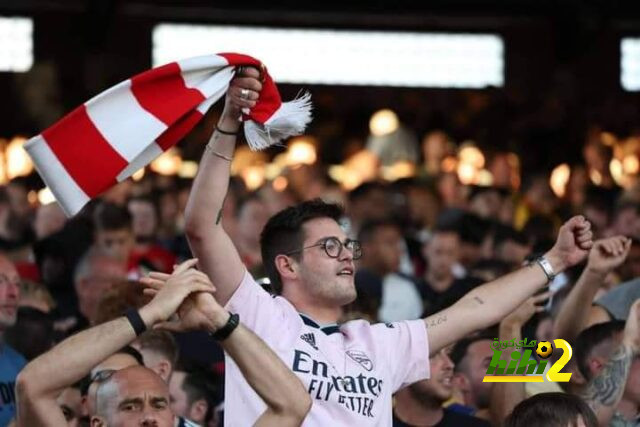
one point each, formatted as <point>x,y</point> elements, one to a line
<point>350,370</point>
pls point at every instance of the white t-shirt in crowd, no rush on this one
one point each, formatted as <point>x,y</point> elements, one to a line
<point>351,371</point>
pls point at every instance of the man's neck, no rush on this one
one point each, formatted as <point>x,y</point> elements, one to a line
<point>417,412</point>
<point>439,283</point>
<point>321,312</point>
<point>321,315</point>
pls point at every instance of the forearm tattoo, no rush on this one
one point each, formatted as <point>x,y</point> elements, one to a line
<point>607,387</point>
<point>436,321</point>
<point>478,300</point>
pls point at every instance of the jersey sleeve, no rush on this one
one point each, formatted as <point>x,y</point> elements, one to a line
<point>407,349</point>
<point>270,317</point>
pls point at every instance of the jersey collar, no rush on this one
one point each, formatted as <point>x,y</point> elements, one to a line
<point>327,329</point>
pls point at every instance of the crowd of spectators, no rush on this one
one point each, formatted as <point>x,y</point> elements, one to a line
<point>426,241</point>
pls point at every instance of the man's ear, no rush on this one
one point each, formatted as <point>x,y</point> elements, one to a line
<point>163,369</point>
<point>198,411</point>
<point>595,365</point>
<point>285,266</point>
<point>97,421</point>
<point>460,381</point>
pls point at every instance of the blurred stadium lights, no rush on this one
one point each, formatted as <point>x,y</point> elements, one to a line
<point>630,63</point>
<point>16,44</point>
<point>371,58</point>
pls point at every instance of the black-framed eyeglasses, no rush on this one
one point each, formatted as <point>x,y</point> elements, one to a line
<point>333,247</point>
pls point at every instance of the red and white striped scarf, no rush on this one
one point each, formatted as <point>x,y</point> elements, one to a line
<point>111,136</point>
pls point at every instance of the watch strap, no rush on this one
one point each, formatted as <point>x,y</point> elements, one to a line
<point>224,332</point>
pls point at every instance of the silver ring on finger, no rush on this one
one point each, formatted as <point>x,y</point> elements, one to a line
<point>244,94</point>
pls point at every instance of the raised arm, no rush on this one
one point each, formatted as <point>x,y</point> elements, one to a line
<point>218,257</point>
<point>42,380</point>
<point>486,305</point>
<point>573,316</point>
<point>604,391</point>
<point>505,396</point>
<point>286,398</point>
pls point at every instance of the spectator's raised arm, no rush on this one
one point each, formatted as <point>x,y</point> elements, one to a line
<point>218,257</point>
<point>44,378</point>
<point>286,398</point>
<point>606,255</point>
<point>505,396</point>
<point>490,303</point>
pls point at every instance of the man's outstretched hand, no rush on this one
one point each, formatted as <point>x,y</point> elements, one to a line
<point>198,310</point>
<point>575,239</point>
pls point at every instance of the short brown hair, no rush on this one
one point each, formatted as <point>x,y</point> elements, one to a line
<point>161,342</point>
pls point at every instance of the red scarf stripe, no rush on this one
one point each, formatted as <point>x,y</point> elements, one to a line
<point>86,155</point>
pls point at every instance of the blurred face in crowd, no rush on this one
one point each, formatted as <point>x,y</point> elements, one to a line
<point>70,402</point>
<point>325,279</point>
<point>630,269</point>
<point>385,249</point>
<point>470,372</point>
<point>435,147</point>
<point>442,252</point>
<point>169,209</point>
<point>451,191</point>
<point>144,219</point>
<point>49,220</point>
<point>627,222</point>
<point>372,206</point>
<point>180,405</point>
<point>9,293</point>
<point>179,399</point>
<point>540,197</point>
<point>134,396</point>
<point>438,387</point>
<point>252,217</point>
<point>19,200</point>
<point>118,243</point>
<point>598,218</point>
<point>275,201</point>
<point>512,252</point>
<point>577,186</point>
<point>103,273</point>
<point>486,204</point>
<point>423,207</point>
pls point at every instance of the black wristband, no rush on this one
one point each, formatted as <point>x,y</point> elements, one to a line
<point>224,332</point>
<point>136,321</point>
<point>224,132</point>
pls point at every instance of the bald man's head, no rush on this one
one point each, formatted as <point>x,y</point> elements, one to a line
<point>132,396</point>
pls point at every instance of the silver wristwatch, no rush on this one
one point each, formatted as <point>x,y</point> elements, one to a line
<point>546,267</point>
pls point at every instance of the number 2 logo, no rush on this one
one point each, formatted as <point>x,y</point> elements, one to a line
<point>554,374</point>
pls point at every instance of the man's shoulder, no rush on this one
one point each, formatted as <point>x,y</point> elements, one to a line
<point>8,355</point>
<point>359,328</point>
